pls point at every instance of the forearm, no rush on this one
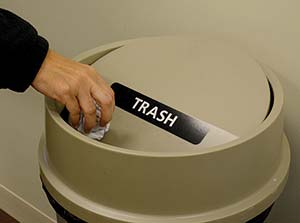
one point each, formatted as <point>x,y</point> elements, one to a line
<point>26,60</point>
<point>22,52</point>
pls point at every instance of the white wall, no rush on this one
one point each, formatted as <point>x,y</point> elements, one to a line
<point>269,29</point>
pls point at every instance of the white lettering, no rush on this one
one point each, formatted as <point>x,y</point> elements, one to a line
<point>162,115</point>
<point>153,112</point>
<point>169,119</point>
<point>138,100</point>
<point>143,107</point>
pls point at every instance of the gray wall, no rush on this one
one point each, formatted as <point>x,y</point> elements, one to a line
<point>269,29</point>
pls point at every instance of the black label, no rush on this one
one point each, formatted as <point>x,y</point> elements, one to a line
<point>161,115</point>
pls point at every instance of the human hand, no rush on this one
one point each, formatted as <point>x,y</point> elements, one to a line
<point>77,86</point>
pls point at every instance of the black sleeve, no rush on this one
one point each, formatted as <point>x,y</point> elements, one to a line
<point>22,52</point>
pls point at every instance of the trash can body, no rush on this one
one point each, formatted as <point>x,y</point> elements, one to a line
<point>144,172</point>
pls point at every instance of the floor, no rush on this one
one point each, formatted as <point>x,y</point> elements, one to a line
<point>5,218</point>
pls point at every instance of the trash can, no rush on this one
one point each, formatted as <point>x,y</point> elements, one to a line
<point>197,136</point>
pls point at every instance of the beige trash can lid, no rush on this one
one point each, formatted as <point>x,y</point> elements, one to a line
<point>205,79</point>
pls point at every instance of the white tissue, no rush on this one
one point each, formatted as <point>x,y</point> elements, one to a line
<point>98,131</point>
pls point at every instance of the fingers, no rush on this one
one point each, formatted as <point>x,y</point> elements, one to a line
<point>88,108</point>
<point>108,91</point>
<point>105,86</point>
<point>74,110</point>
<point>91,91</point>
<point>104,96</point>
<point>106,101</point>
<point>95,89</point>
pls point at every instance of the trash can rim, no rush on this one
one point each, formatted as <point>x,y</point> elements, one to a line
<point>90,56</point>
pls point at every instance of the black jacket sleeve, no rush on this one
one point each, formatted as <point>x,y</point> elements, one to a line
<point>22,52</point>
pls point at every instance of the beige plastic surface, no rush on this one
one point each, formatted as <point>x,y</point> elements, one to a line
<point>207,79</point>
<point>229,183</point>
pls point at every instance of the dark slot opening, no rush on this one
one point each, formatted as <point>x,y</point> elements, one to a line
<point>271,99</point>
